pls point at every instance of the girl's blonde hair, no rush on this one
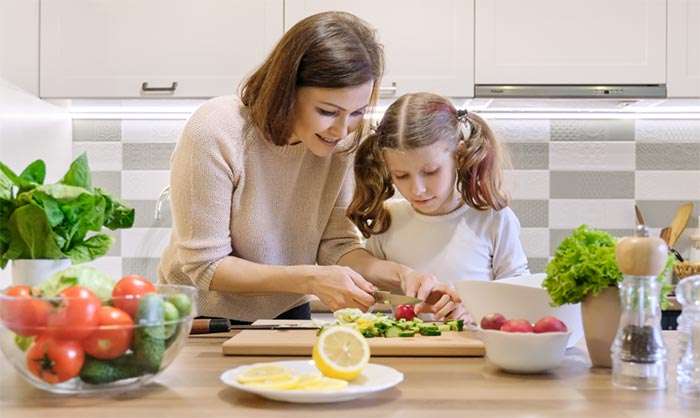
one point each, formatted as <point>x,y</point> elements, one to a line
<point>418,120</point>
<point>330,49</point>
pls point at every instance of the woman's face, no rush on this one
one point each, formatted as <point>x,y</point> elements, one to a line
<point>325,116</point>
<point>426,177</point>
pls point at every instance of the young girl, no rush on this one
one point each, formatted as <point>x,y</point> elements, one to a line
<point>447,164</point>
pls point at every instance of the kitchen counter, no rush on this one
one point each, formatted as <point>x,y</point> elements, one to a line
<point>433,387</point>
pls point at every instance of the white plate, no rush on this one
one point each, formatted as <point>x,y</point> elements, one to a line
<point>374,378</point>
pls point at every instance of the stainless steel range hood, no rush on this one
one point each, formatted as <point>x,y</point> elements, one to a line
<point>570,91</point>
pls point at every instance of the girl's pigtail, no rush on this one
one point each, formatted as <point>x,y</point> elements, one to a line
<point>480,162</point>
<point>372,187</point>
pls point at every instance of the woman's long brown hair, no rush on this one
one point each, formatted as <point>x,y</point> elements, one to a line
<point>330,49</point>
<point>418,120</point>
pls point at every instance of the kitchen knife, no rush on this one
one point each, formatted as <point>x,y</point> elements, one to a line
<point>214,325</point>
<point>382,296</point>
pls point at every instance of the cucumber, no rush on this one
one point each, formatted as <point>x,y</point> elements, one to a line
<point>170,314</point>
<point>430,331</point>
<point>407,333</point>
<point>444,328</point>
<point>149,336</point>
<point>392,332</point>
<point>182,302</point>
<point>97,372</point>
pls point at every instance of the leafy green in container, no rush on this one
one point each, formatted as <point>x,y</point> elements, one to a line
<point>584,264</point>
<point>60,220</point>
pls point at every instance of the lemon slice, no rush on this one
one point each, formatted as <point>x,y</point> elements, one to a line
<point>326,384</point>
<point>279,384</point>
<point>341,353</point>
<point>308,380</point>
<point>264,372</point>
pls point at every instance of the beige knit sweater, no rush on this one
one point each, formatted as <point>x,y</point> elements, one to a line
<point>233,193</point>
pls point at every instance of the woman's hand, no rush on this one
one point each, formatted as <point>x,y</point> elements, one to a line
<point>439,298</point>
<point>341,287</point>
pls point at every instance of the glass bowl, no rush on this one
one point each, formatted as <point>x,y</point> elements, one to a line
<point>76,344</point>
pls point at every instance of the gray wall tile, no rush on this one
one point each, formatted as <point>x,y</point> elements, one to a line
<point>591,185</point>
<point>115,251</point>
<point>593,130</point>
<point>154,156</point>
<point>556,236</point>
<point>537,265</point>
<point>531,213</point>
<point>651,156</point>
<point>528,156</point>
<point>660,213</point>
<point>145,211</point>
<point>97,130</point>
<point>110,181</point>
<point>147,267</point>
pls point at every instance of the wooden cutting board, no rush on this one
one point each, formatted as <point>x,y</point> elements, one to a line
<point>300,343</point>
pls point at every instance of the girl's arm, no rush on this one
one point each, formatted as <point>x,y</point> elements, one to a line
<point>509,258</point>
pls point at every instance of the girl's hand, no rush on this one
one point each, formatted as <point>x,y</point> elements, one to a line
<point>341,287</point>
<point>446,309</point>
<point>427,287</point>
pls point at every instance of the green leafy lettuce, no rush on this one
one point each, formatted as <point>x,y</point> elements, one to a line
<point>584,264</point>
<point>60,220</point>
<point>99,283</point>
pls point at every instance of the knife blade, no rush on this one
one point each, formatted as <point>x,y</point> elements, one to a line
<point>382,296</point>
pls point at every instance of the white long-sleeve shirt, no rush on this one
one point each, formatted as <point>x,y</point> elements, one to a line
<point>464,244</point>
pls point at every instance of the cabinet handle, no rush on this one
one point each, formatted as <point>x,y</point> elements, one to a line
<point>172,87</point>
<point>388,91</point>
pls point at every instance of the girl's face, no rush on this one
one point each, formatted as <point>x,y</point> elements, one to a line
<point>325,116</point>
<point>426,177</point>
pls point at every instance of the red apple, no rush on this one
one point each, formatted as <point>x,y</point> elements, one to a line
<point>550,324</point>
<point>517,325</point>
<point>492,321</point>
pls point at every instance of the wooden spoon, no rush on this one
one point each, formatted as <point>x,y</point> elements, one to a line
<point>680,221</point>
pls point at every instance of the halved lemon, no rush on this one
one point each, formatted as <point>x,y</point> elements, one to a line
<point>264,372</point>
<point>341,353</point>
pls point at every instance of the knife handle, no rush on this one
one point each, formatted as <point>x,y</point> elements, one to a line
<point>208,326</point>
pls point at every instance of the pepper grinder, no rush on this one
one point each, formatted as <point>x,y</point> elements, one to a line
<point>638,352</point>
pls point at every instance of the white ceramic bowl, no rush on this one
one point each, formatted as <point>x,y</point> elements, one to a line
<point>521,352</point>
<point>518,298</point>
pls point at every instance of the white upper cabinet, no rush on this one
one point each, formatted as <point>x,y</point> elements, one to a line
<point>428,45</point>
<point>683,48</point>
<point>153,48</point>
<point>572,41</point>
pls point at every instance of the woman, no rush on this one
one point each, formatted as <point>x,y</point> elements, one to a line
<point>260,184</point>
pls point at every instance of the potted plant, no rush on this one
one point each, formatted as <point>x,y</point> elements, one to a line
<point>584,270</point>
<point>45,228</point>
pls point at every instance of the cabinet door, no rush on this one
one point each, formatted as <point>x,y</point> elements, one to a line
<point>570,41</point>
<point>683,48</point>
<point>180,48</point>
<point>428,45</point>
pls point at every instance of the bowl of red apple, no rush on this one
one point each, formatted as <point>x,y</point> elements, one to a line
<point>519,346</point>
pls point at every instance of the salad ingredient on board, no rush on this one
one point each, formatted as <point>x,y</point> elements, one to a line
<point>406,312</point>
<point>379,325</point>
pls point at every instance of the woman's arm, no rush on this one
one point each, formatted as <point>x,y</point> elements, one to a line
<point>337,287</point>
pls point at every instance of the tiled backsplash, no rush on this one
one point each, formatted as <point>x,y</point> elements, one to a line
<point>565,173</point>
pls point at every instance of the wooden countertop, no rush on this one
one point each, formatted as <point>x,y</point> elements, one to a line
<point>433,388</point>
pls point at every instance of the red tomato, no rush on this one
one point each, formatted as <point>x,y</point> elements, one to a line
<point>128,290</point>
<point>113,336</point>
<point>55,361</point>
<point>22,313</point>
<point>77,315</point>
<point>404,312</point>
